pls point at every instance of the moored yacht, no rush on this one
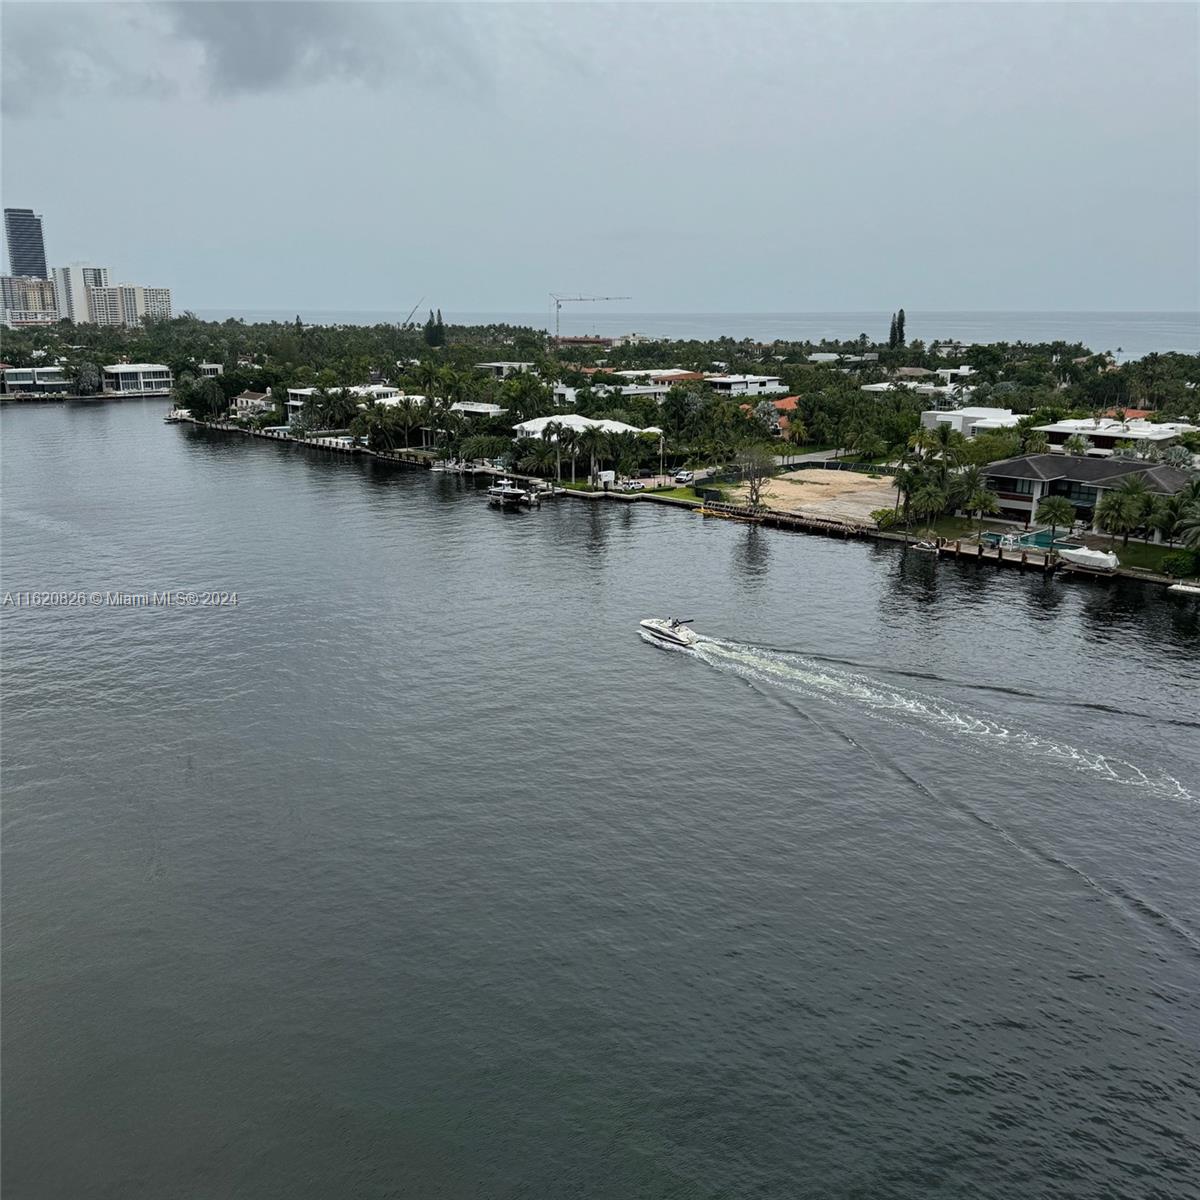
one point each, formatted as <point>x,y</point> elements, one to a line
<point>508,494</point>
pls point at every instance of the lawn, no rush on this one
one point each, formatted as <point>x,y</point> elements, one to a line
<point>1141,555</point>
<point>675,493</point>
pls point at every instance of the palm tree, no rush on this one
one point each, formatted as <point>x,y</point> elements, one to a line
<point>929,501</point>
<point>550,435</point>
<point>568,443</point>
<point>1166,515</point>
<point>539,457</point>
<point>591,443</point>
<point>1189,527</point>
<point>1117,514</point>
<point>1055,511</point>
<point>981,501</point>
<point>1035,442</point>
<point>1077,444</point>
<point>947,445</point>
<point>1141,501</point>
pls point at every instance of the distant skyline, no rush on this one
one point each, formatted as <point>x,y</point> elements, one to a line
<point>736,157</point>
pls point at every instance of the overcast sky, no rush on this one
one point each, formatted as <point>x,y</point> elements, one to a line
<point>732,157</point>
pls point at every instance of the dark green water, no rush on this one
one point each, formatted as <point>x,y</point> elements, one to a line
<point>419,874</point>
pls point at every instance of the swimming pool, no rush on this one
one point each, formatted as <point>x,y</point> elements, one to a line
<point>1035,539</point>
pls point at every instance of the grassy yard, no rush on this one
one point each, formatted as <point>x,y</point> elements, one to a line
<point>676,493</point>
<point>1137,554</point>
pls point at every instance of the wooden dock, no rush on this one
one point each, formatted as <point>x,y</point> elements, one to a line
<point>1022,559</point>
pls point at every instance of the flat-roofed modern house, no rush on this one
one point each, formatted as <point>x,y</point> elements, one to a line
<point>502,370</point>
<point>1022,483</point>
<point>1104,434</point>
<point>379,393</point>
<point>970,421</point>
<point>146,379</point>
<point>211,370</point>
<point>32,381</point>
<point>746,385</point>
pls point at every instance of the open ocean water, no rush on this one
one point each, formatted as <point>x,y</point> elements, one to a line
<point>417,873</point>
<point>1127,335</point>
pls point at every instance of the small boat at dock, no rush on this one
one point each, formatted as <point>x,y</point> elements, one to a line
<point>506,493</point>
<point>1104,561</point>
<point>1185,589</point>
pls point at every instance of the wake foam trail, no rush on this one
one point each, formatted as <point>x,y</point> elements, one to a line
<point>818,679</point>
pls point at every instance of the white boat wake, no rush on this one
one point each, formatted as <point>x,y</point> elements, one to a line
<point>926,714</point>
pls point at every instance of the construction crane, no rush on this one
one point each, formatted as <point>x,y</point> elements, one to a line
<point>411,311</point>
<point>559,301</point>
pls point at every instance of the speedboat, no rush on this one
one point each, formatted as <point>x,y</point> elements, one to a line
<point>1090,560</point>
<point>669,631</point>
<point>927,546</point>
<point>1187,589</point>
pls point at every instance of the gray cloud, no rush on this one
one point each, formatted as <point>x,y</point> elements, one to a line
<point>248,47</point>
<point>722,156</point>
<point>55,54</point>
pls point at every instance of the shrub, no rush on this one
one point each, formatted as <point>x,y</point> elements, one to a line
<point>885,518</point>
<point>1180,563</point>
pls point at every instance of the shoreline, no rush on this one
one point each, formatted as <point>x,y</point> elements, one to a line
<point>771,518</point>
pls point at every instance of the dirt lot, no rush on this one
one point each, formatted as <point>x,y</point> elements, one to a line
<point>835,495</point>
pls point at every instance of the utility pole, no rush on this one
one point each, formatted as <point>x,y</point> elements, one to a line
<point>559,301</point>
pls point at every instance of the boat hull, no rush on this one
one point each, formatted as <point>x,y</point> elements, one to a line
<point>663,633</point>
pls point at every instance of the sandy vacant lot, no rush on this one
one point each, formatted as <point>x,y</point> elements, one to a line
<point>834,495</point>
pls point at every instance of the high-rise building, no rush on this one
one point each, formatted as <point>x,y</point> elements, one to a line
<point>72,284</point>
<point>27,301</point>
<point>127,304</point>
<point>26,249</point>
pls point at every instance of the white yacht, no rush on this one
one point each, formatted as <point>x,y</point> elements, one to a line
<point>1091,560</point>
<point>668,631</point>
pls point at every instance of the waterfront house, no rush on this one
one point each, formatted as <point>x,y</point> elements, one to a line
<point>1022,483</point>
<point>138,379</point>
<point>970,421</point>
<point>533,428</point>
<point>1104,434</point>
<point>209,370</point>
<point>32,381</point>
<point>252,404</point>
<point>379,393</point>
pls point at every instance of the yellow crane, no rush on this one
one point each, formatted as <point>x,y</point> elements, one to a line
<point>559,301</point>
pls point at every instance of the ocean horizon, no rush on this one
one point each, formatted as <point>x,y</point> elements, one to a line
<point>1126,334</point>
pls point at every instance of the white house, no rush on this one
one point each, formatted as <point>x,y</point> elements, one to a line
<point>16,381</point>
<point>970,421</point>
<point>380,393</point>
<point>211,370</point>
<point>746,385</point>
<point>565,396</point>
<point>574,421</point>
<point>250,404</point>
<point>1104,433</point>
<point>502,370</point>
<point>147,379</point>
<point>477,408</point>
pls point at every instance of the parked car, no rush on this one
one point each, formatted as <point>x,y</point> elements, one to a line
<point>684,476</point>
<point>633,485</point>
<point>645,473</point>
